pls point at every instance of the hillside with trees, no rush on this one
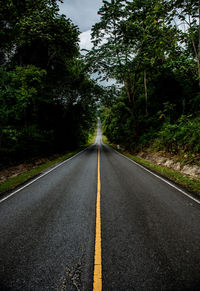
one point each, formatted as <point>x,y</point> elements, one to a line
<point>47,99</point>
<point>152,50</point>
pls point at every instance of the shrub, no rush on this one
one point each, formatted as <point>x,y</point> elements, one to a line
<point>184,135</point>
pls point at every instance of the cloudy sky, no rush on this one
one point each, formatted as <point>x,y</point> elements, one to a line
<point>84,14</point>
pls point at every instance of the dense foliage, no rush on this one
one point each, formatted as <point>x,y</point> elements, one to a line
<point>47,101</point>
<point>152,50</point>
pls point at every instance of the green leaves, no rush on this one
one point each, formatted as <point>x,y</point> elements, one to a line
<point>47,99</point>
<point>184,135</point>
<point>188,13</point>
<point>18,93</point>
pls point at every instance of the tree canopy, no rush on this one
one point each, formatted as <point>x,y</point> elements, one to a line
<point>152,50</point>
<point>49,103</point>
<point>47,99</point>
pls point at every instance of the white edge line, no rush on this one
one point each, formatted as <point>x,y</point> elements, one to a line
<point>42,175</point>
<point>167,182</point>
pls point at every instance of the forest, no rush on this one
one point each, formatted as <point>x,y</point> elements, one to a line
<point>49,102</point>
<point>47,99</point>
<point>152,49</point>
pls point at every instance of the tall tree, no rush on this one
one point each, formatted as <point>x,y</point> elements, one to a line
<point>47,100</point>
<point>188,13</point>
<point>131,37</point>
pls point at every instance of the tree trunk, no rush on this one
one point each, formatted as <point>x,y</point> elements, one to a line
<point>133,110</point>
<point>145,91</point>
<point>135,121</point>
<point>196,49</point>
<point>1,135</point>
<point>199,47</point>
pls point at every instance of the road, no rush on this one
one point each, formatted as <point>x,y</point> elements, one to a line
<point>149,231</point>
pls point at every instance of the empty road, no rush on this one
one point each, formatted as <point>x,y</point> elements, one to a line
<point>99,222</point>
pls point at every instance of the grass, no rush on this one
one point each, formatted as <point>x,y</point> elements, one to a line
<point>13,182</point>
<point>192,184</point>
<point>105,140</point>
<point>92,137</point>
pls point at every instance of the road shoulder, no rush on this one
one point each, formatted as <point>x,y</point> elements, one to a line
<point>182,181</point>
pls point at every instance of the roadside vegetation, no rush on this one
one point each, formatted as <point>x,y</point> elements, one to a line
<point>152,50</point>
<point>11,183</point>
<point>189,183</point>
<point>192,184</point>
<point>49,104</point>
<point>47,98</point>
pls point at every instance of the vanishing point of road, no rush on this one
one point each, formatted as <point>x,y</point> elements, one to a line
<point>97,222</point>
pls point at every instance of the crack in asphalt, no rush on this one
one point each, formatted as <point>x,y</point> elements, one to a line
<point>73,276</point>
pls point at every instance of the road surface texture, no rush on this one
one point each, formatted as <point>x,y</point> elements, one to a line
<point>150,231</point>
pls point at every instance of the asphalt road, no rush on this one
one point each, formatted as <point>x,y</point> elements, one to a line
<point>150,231</point>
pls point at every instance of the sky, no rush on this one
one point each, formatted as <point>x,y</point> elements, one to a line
<point>84,14</point>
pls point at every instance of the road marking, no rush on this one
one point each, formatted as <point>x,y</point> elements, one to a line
<point>46,173</point>
<point>167,182</point>
<point>97,279</point>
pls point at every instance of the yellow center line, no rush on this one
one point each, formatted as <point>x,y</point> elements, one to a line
<point>97,279</point>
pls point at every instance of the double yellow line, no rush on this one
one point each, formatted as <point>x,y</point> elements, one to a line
<point>97,279</point>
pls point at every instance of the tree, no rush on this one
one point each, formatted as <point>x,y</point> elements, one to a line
<point>188,13</point>
<point>48,102</point>
<point>11,14</point>
<point>131,38</point>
